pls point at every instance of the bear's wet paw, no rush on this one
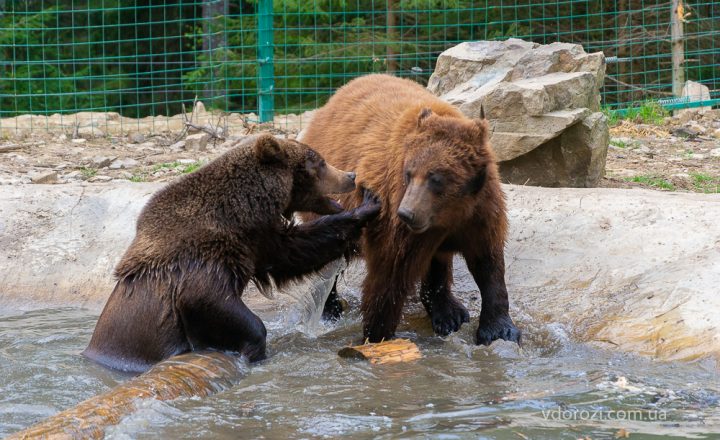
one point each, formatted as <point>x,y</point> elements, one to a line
<point>500,327</point>
<point>448,316</point>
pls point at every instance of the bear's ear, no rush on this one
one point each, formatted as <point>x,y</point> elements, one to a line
<point>424,113</point>
<point>268,150</point>
<point>483,126</point>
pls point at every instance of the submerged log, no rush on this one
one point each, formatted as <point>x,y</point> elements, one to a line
<point>194,374</point>
<point>386,352</point>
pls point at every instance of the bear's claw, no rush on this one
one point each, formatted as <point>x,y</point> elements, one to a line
<point>448,316</point>
<point>500,327</point>
<point>370,207</point>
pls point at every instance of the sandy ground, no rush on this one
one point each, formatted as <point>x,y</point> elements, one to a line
<point>680,154</point>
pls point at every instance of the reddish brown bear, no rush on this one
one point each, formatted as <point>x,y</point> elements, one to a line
<point>203,238</point>
<point>438,181</point>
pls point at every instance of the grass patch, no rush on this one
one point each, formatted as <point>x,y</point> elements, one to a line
<point>654,181</point>
<point>612,116</point>
<point>189,168</point>
<point>167,166</point>
<point>137,178</point>
<point>622,143</point>
<point>649,112</point>
<point>706,183</point>
<point>88,172</point>
<point>618,143</point>
<point>185,168</point>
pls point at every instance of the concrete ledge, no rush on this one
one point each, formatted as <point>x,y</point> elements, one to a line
<point>632,269</point>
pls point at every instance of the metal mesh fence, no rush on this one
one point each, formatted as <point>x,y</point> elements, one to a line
<point>142,58</point>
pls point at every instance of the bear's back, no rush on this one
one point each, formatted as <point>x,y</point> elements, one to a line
<point>368,116</point>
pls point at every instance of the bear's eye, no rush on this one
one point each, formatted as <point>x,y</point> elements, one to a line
<point>436,182</point>
<point>407,177</point>
<point>322,164</point>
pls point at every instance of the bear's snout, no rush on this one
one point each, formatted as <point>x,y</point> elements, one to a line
<point>406,215</point>
<point>335,181</point>
<point>416,208</point>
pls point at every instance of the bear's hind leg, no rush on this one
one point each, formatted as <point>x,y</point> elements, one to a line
<point>214,316</point>
<point>446,312</point>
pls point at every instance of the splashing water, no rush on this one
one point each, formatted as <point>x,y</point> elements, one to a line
<point>553,388</point>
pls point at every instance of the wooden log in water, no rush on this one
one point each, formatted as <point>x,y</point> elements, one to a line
<point>386,352</point>
<point>188,375</point>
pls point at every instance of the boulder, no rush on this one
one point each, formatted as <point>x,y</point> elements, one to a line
<point>575,159</point>
<point>197,142</point>
<point>694,91</point>
<point>542,101</point>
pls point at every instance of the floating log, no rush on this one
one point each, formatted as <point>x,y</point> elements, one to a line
<point>187,375</point>
<point>386,352</point>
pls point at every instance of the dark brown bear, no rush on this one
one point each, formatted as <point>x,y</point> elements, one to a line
<point>438,181</point>
<point>203,238</point>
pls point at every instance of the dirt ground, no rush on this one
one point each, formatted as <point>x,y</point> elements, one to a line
<point>680,154</point>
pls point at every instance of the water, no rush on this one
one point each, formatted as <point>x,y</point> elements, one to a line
<point>551,389</point>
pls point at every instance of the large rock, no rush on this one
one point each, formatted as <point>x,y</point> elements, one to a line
<point>634,270</point>
<point>694,91</point>
<point>574,159</point>
<point>542,101</point>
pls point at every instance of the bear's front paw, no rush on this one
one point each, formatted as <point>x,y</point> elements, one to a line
<point>370,207</point>
<point>499,327</point>
<point>448,316</point>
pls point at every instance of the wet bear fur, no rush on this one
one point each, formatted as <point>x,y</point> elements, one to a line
<point>202,238</point>
<point>437,177</point>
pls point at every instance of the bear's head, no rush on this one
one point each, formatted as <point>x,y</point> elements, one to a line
<point>312,178</point>
<point>447,162</point>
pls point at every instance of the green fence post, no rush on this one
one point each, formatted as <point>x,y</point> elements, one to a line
<point>266,81</point>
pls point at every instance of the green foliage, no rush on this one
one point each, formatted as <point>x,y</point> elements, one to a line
<point>184,168</point>
<point>621,143</point>
<point>650,112</point>
<point>654,181</point>
<point>612,115</point>
<point>189,168</point>
<point>706,183</point>
<point>144,58</point>
<point>167,166</point>
<point>88,172</point>
<point>77,56</point>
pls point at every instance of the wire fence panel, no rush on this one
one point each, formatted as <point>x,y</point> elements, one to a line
<point>142,58</point>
